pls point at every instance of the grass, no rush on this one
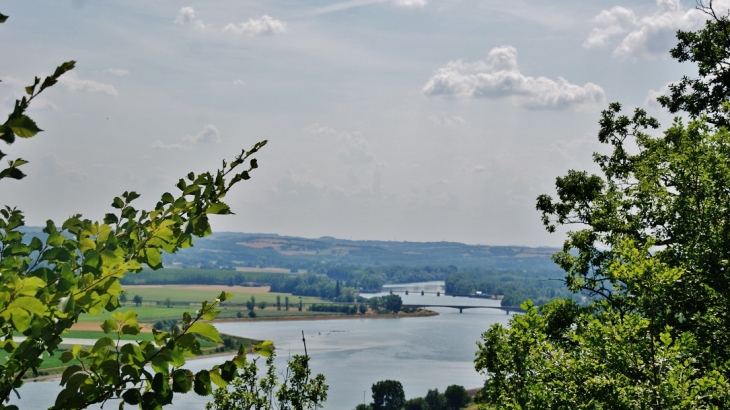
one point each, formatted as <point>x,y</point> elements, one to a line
<point>195,296</point>
<point>145,314</point>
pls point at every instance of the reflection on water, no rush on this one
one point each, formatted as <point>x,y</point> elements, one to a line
<point>422,353</point>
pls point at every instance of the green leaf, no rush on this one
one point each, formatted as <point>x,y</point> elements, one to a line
<point>153,258</point>
<point>109,325</point>
<point>205,330</point>
<point>29,304</point>
<point>219,209</point>
<point>3,18</point>
<point>202,383</point>
<point>132,397</point>
<point>182,380</point>
<point>265,348</point>
<point>23,126</point>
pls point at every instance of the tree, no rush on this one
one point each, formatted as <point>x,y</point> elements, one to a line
<point>168,302</point>
<point>48,284</point>
<point>435,400</point>
<point>123,298</point>
<point>298,390</point>
<point>709,48</point>
<point>137,299</point>
<point>278,302</point>
<point>286,302</point>
<point>416,404</point>
<point>392,303</point>
<point>388,395</point>
<point>651,251</point>
<point>301,304</point>
<point>262,305</point>
<point>362,308</point>
<point>456,397</point>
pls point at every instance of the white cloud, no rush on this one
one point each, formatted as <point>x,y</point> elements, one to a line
<point>652,95</point>
<point>265,25</point>
<point>653,34</point>
<point>116,71</point>
<point>355,149</point>
<point>317,129</point>
<point>499,77</point>
<point>478,169</point>
<point>209,134</point>
<point>239,82</point>
<point>448,121</point>
<point>410,3</point>
<point>186,16</point>
<point>161,145</point>
<point>72,82</point>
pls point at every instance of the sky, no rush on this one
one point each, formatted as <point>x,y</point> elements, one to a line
<point>406,120</point>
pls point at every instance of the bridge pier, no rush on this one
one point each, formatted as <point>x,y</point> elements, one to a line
<point>461,310</point>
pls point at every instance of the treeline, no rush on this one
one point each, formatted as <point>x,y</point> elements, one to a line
<point>199,277</point>
<point>516,287</point>
<point>389,395</point>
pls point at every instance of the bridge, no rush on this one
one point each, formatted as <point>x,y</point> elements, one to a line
<point>461,308</point>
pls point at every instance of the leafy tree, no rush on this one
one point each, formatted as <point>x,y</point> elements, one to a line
<point>416,404</point>
<point>123,298</point>
<point>47,285</point>
<point>392,303</point>
<point>388,395</point>
<point>262,305</point>
<point>435,400</point>
<point>651,250</point>
<point>137,299</point>
<point>363,407</point>
<point>278,302</point>
<point>301,304</point>
<point>298,390</point>
<point>362,308</point>
<point>286,302</point>
<point>456,397</point>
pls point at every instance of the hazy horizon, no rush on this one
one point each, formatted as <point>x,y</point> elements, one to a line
<point>398,120</point>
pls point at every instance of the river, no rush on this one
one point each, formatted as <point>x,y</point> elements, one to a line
<point>422,353</point>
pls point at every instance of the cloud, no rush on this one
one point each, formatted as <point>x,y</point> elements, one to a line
<point>265,25</point>
<point>652,95</point>
<point>239,82</point>
<point>448,121</point>
<point>186,16</point>
<point>161,145</point>
<point>410,3</point>
<point>116,71</point>
<point>650,35</point>
<point>317,129</point>
<point>478,169</point>
<point>355,149</point>
<point>346,5</point>
<point>208,135</point>
<point>499,77</point>
<point>72,82</point>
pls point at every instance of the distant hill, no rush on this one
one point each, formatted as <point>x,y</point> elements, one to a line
<point>237,250</point>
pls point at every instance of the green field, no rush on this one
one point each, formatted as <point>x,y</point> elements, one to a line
<point>195,297</point>
<point>145,314</point>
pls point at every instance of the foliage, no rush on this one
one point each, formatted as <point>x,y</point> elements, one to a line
<point>456,397</point>
<point>298,390</point>
<point>435,400</point>
<point>652,250</point>
<point>388,395</point>
<point>710,50</point>
<point>47,284</point>
<point>417,403</point>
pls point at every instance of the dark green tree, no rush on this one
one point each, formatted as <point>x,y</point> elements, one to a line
<point>137,299</point>
<point>650,248</point>
<point>286,302</point>
<point>435,400</point>
<point>392,303</point>
<point>388,395</point>
<point>456,397</point>
<point>262,305</point>
<point>278,302</point>
<point>416,404</point>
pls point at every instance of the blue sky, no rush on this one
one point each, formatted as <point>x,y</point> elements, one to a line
<point>420,120</point>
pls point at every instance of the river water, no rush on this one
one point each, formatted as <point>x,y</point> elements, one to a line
<point>422,353</point>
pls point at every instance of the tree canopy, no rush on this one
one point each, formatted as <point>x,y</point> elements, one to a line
<point>651,250</point>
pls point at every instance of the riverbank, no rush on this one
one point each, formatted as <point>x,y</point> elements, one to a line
<point>368,315</point>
